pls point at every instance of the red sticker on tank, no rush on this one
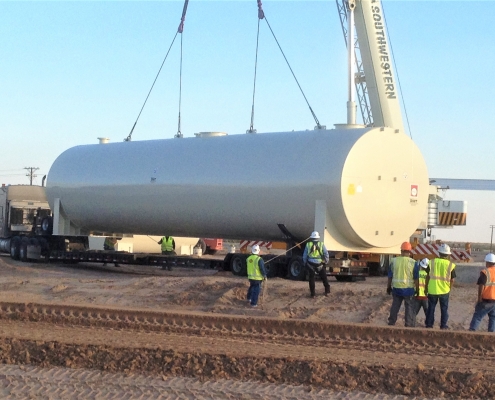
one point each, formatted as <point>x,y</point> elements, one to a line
<point>414,190</point>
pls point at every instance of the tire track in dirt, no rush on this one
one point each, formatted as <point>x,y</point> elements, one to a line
<point>22,382</point>
<point>324,355</point>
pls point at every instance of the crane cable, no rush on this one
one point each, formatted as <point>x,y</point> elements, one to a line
<point>286,251</point>
<point>179,30</point>
<point>261,15</point>
<point>398,78</point>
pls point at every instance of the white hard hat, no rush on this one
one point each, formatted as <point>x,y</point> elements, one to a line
<point>315,235</point>
<point>490,257</point>
<point>444,249</point>
<point>424,263</point>
<point>255,249</point>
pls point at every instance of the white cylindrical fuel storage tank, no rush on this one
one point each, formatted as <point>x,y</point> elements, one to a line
<point>366,188</point>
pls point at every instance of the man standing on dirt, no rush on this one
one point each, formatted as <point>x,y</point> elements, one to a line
<point>421,298</point>
<point>439,282</point>
<point>168,245</point>
<point>486,296</point>
<point>315,257</point>
<point>256,274</point>
<point>402,283</point>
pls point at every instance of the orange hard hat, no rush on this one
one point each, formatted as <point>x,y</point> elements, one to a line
<point>406,246</point>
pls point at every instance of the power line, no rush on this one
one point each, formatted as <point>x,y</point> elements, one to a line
<point>31,173</point>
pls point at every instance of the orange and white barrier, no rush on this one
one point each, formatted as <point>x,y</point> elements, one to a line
<point>430,250</point>
<point>244,244</point>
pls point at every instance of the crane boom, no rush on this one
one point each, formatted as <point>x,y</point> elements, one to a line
<point>377,64</point>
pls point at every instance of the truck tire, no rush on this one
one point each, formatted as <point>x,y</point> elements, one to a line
<point>238,265</point>
<point>296,269</point>
<point>15,245</point>
<point>47,225</point>
<point>23,249</point>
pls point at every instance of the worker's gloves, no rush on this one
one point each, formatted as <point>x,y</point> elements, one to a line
<point>389,290</point>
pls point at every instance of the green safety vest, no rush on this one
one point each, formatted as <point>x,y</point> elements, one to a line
<point>402,272</point>
<point>422,282</point>
<point>167,244</point>
<point>440,272</point>
<point>253,269</point>
<point>109,244</point>
<point>315,250</point>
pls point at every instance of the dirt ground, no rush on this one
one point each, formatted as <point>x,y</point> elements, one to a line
<point>49,354</point>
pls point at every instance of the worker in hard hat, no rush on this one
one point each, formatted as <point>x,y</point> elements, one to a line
<point>439,281</point>
<point>421,298</point>
<point>402,284</point>
<point>486,296</point>
<point>168,245</point>
<point>256,274</point>
<point>315,257</point>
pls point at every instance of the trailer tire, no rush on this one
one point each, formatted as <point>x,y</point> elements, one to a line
<point>296,269</point>
<point>380,268</point>
<point>23,249</point>
<point>15,245</point>
<point>238,265</point>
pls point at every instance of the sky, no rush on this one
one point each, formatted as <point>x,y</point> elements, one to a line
<point>73,71</point>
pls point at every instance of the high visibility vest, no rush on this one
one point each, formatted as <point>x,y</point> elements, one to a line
<point>489,289</point>
<point>440,272</point>
<point>402,272</point>
<point>167,244</point>
<point>315,250</point>
<point>253,269</point>
<point>422,282</point>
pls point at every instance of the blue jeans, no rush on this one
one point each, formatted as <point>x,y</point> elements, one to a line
<point>480,311</point>
<point>254,291</point>
<point>433,299</point>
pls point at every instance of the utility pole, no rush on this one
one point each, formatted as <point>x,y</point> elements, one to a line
<point>491,239</point>
<point>31,174</point>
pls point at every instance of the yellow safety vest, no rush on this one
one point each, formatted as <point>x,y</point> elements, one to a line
<point>315,250</point>
<point>422,282</point>
<point>440,272</point>
<point>402,272</point>
<point>167,244</point>
<point>109,243</point>
<point>253,269</point>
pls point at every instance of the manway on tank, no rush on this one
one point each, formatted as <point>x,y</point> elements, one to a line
<point>365,189</point>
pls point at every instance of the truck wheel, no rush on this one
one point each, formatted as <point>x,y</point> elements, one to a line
<point>238,265</point>
<point>23,249</point>
<point>384,264</point>
<point>47,225</point>
<point>15,245</point>
<point>296,270</point>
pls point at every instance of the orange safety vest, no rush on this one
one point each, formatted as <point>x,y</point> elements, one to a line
<point>489,289</point>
